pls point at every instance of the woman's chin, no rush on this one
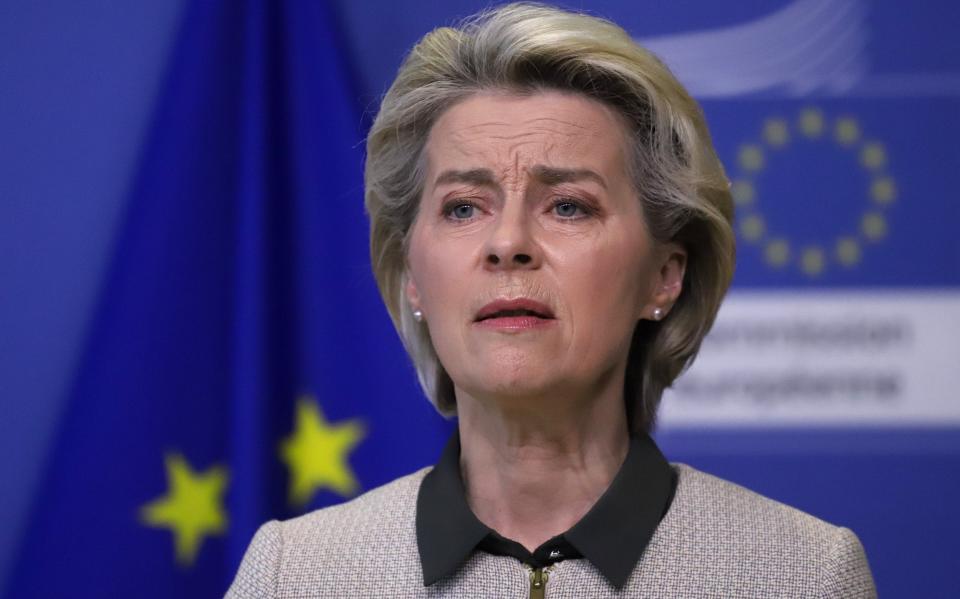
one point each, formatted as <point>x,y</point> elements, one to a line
<point>513,385</point>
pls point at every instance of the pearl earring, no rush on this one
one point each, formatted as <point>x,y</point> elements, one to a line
<point>418,315</point>
<point>657,313</point>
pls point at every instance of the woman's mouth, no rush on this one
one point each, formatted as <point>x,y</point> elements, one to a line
<point>515,314</point>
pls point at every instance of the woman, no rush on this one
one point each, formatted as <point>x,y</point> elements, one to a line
<point>551,233</point>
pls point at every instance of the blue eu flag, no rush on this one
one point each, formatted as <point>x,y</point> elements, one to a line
<point>240,365</point>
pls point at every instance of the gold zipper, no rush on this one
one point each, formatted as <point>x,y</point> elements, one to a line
<point>538,582</point>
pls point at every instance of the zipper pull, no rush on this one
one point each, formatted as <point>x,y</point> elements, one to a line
<point>538,582</point>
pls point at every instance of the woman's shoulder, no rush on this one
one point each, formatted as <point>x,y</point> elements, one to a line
<point>728,532</point>
<point>705,499</point>
<point>316,549</point>
<point>393,501</point>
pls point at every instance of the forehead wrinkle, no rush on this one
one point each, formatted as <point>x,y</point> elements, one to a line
<point>518,136</point>
<point>548,119</point>
<point>552,138</point>
<point>516,170</point>
<point>536,124</point>
<point>532,120</point>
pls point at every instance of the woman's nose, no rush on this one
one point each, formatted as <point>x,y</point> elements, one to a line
<point>511,243</point>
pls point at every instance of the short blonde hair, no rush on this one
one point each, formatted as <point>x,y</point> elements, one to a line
<point>526,48</point>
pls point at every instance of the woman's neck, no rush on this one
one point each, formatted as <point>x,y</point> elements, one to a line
<point>531,475</point>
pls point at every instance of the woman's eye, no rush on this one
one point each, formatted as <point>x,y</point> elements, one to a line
<point>567,209</point>
<point>460,211</point>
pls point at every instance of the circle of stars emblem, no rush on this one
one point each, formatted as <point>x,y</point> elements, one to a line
<point>845,250</point>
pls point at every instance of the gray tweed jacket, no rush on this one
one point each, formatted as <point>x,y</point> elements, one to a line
<point>717,540</point>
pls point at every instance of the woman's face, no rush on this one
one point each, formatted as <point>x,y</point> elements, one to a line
<point>528,198</point>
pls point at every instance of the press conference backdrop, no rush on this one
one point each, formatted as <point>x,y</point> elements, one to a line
<point>193,342</point>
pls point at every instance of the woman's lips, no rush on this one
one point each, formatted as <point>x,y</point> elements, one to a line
<point>517,314</point>
<point>515,323</point>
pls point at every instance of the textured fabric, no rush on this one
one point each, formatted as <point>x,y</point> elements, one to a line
<point>717,540</point>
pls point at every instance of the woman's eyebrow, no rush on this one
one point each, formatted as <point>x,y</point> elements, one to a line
<point>476,176</point>
<point>551,175</point>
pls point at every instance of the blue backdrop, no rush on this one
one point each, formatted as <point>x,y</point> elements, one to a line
<point>238,364</point>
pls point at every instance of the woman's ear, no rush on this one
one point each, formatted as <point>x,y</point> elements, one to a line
<point>668,282</point>
<point>413,294</point>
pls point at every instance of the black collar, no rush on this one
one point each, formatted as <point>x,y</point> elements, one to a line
<point>612,535</point>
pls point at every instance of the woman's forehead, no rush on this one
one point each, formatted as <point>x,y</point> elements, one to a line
<point>549,128</point>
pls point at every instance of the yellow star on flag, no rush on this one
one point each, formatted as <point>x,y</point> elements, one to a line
<point>316,453</point>
<point>192,507</point>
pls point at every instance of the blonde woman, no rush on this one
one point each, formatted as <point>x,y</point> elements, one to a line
<point>551,233</point>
